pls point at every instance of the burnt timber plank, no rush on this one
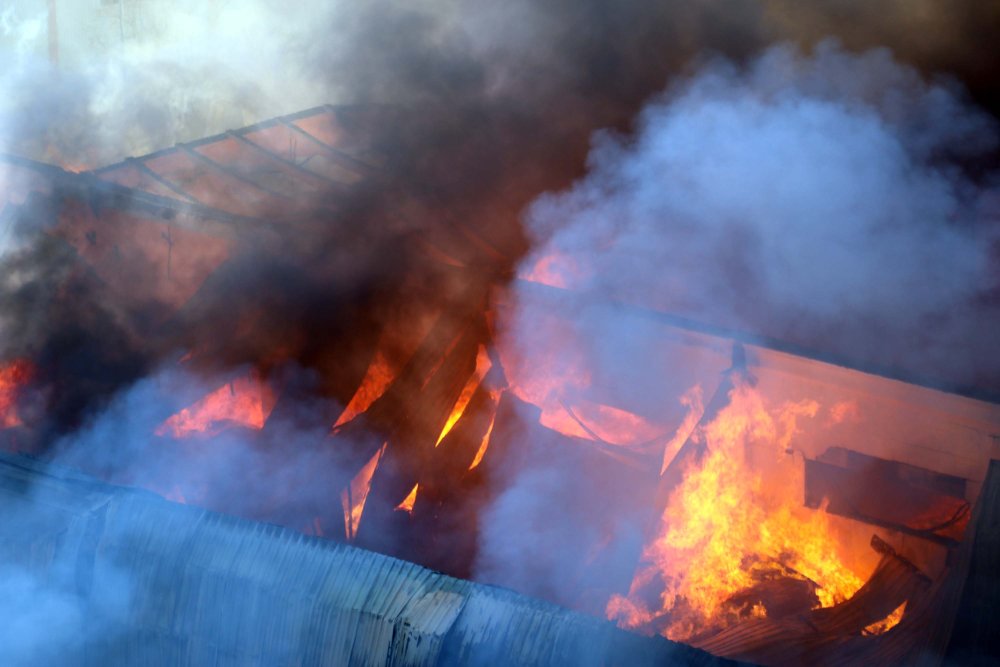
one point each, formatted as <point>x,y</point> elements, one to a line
<point>885,493</point>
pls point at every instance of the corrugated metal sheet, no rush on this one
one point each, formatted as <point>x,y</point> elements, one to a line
<point>197,588</point>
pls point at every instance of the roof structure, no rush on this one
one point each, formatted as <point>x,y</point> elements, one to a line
<point>153,229</point>
<point>276,169</point>
<point>158,583</point>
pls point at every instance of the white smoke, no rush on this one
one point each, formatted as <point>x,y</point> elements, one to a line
<point>156,74</point>
<point>812,197</point>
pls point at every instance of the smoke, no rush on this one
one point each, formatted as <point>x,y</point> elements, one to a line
<point>473,115</point>
<point>157,74</point>
<point>822,198</point>
<point>815,198</point>
<point>54,606</point>
<point>46,617</point>
<point>271,475</point>
<point>830,198</point>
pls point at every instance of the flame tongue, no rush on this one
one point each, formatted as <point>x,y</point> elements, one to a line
<point>353,497</point>
<point>483,365</point>
<point>245,401</point>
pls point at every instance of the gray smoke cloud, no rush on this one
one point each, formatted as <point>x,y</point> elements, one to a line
<point>54,607</point>
<point>33,601</point>
<point>271,474</point>
<point>157,74</point>
<point>817,198</point>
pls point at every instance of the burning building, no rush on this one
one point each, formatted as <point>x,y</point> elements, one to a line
<point>763,504</point>
<point>346,387</point>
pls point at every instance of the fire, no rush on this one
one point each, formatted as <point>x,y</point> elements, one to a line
<point>483,365</point>
<point>727,527</point>
<point>556,270</point>
<point>377,379</point>
<point>843,411</point>
<point>692,400</point>
<point>597,421</point>
<point>13,376</point>
<point>354,496</point>
<point>411,498</point>
<point>887,623</point>
<point>244,401</point>
<point>561,385</point>
<point>484,445</point>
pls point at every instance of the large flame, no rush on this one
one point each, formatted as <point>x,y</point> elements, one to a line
<point>729,526</point>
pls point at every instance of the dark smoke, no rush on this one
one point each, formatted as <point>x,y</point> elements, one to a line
<point>482,108</point>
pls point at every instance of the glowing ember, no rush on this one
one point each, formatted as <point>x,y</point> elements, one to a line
<point>377,379</point>
<point>483,365</point>
<point>407,504</point>
<point>245,401</point>
<point>13,376</point>
<point>354,496</point>
<point>726,528</point>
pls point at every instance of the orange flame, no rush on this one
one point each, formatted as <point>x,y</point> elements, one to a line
<point>411,498</point>
<point>354,496</point>
<point>597,421</point>
<point>726,526</point>
<point>489,432</point>
<point>13,376</point>
<point>887,623</point>
<point>377,379</point>
<point>692,400</point>
<point>244,401</point>
<point>483,365</point>
<point>844,411</point>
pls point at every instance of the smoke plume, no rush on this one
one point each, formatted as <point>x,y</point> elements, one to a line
<point>815,198</point>
<point>834,196</point>
<point>821,198</point>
